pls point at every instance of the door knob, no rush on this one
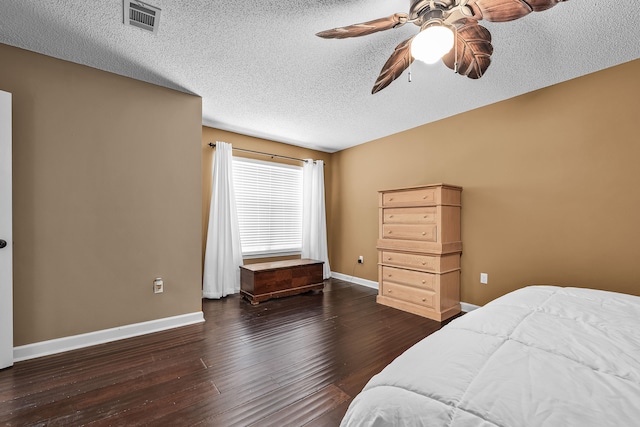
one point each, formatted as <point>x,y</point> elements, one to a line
<point>3,243</point>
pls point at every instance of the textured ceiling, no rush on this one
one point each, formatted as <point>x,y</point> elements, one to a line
<point>261,71</point>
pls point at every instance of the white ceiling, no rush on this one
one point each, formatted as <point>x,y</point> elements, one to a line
<point>261,71</point>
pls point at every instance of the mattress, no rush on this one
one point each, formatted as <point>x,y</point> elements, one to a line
<point>539,356</point>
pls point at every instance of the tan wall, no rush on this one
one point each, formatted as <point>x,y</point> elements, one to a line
<point>107,196</point>
<point>551,187</point>
<point>102,204</point>
<point>265,146</point>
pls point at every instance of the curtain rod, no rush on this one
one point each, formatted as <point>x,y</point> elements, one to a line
<point>212,145</point>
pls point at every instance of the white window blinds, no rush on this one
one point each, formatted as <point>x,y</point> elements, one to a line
<point>269,204</point>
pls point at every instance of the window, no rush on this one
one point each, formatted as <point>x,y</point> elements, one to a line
<point>269,202</point>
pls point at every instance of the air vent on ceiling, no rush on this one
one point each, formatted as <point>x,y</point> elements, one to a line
<point>141,15</point>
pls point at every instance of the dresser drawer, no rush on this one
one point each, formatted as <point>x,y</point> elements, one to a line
<point>431,263</point>
<point>422,215</point>
<point>422,297</point>
<point>422,262</point>
<point>419,196</point>
<point>409,277</point>
<point>424,233</point>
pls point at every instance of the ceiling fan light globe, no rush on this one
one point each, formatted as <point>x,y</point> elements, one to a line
<point>432,43</point>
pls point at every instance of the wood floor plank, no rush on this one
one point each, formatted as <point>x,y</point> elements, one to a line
<point>292,361</point>
<point>330,418</point>
<point>307,409</point>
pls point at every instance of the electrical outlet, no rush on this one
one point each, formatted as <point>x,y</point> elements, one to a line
<point>484,278</point>
<point>360,259</point>
<point>158,286</point>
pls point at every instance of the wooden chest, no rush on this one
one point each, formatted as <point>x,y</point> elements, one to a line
<point>260,282</point>
<point>419,248</point>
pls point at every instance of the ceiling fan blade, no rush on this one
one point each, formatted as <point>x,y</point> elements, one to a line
<point>508,10</point>
<point>500,10</point>
<point>366,28</point>
<point>540,5</point>
<point>473,49</point>
<point>399,60</point>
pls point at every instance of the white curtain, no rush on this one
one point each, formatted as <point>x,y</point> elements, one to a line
<point>223,255</point>
<point>314,221</point>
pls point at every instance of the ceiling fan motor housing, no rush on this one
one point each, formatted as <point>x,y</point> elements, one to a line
<point>420,8</point>
<point>425,13</point>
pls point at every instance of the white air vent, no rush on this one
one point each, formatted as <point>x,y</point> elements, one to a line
<point>141,15</point>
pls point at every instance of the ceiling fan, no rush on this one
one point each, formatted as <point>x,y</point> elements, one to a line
<point>449,30</point>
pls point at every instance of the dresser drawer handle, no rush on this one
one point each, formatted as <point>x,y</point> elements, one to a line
<point>424,233</point>
<point>424,197</point>
<point>389,275</point>
<point>390,198</point>
<point>424,263</point>
<point>389,232</point>
<point>424,216</point>
<point>389,291</point>
<point>424,281</point>
<point>389,259</point>
<point>390,216</point>
<point>424,299</point>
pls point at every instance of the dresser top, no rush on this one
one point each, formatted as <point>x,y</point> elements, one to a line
<point>452,187</point>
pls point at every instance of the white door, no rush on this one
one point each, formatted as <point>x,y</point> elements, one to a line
<point>6,237</point>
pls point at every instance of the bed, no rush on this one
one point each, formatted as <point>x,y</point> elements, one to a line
<point>538,356</point>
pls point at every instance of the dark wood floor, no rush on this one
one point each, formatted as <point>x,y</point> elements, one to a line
<point>292,361</point>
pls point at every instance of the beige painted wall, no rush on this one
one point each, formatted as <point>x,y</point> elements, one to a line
<point>107,196</point>
<point>551,187</point>
<point>102,205</point>
<point>265,146</point>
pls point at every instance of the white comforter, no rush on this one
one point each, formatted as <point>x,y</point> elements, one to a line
<point>539,356</point>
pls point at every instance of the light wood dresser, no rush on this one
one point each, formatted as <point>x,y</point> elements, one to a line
<point>419,248</point>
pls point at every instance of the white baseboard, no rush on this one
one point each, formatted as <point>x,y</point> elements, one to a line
<point>356,280</point>
<point>466,307</point>
<point>59,345</point>
<point>371,284</point>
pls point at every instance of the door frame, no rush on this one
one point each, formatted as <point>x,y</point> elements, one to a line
<point>6,233</point>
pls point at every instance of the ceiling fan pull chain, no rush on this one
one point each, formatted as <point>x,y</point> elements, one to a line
<point>409,74</point>
<point>455,50</point>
